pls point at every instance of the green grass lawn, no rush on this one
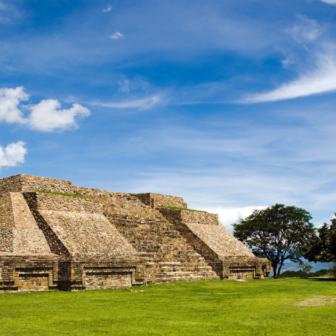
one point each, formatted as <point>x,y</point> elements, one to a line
<point>257,307</point>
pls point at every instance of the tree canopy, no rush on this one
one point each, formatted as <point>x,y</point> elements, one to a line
<point>277,233</point>
<point>323,246</point>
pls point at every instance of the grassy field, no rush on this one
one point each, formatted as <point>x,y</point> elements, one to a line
<point>258,307</point>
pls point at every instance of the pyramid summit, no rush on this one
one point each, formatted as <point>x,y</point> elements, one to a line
<point>54,235</point>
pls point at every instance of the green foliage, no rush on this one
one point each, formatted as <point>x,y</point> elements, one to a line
<point>332,270</point>
<point>321,272</point>
<point>302,274</point>
<point>208,308</point>
<point>171,207</point>
<point>305,268</point>
<point>62,194</point>
<point>277,233</point>
<point>323,246</point>
<point>292,274</point>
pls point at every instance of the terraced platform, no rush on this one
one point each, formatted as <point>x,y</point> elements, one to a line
<point>56,235</point>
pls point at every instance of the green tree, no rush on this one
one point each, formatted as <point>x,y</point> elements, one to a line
<point>277,233</point>
<point>306,268</point>
<point>323,246</point>
<point>332,270</point>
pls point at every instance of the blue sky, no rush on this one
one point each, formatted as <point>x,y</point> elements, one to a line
<point>230,104</point>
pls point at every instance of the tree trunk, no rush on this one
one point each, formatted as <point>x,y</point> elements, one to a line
<point>275,274</point>
<point>279,269</point>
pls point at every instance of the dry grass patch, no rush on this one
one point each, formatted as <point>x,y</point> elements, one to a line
<point>317,301</point>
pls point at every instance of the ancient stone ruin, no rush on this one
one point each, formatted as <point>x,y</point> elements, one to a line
<point>97,239</point>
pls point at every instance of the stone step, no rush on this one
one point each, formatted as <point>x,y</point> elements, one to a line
<point>204,267</point>
<point>180,278</point>
<point>138,283</point>
<point>169,263</point>
<point>164,253</point>
<point>181,274</point>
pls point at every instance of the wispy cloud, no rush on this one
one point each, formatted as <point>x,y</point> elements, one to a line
<point>331,2</point>
<point>13,154</point>
<point>305,30</point>
<point>3,6</point>
<point>117,36</point>
<point>191,33</point>
<point>107,9</point>
<point>125,85</point>
<point>4,13</point>
<point>234,191</point>
<point>8,13</point>
<point>322,79</point>
<point>141,104</point>
<point>45,116</point>
<point>294,164</point>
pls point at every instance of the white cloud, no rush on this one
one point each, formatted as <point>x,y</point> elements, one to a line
<point>125,85</point>
<point>13,154</point>
<point>331,2</point>
<point>287,62</point>
<point>9,101</point>
<point>117,36</point>
<point>47,116</point>
<point>229,216</point>
<point>107,9</point>
<point>305,31</point>
<point>322,79</point>
<point>141,104</point>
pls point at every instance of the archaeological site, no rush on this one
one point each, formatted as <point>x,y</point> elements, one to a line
<point>54,235</point>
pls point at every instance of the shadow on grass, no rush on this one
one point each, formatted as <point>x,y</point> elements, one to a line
<point>322,279</point>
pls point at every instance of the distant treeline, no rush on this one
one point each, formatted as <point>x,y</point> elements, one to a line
<point>301,274</point>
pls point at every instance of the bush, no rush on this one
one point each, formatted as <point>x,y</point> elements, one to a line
<point>321,272</point>
<point>292,274</point>
<point>302,274</point>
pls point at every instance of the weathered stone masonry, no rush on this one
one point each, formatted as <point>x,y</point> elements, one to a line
<point>109,239</point>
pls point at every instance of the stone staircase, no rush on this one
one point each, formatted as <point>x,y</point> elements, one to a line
<point>164,254</point>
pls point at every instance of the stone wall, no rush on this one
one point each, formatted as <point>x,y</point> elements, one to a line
<point>107,280</point>
<point>10,184</point>
<point>6,223</point>
<point>26,262</point>
<point>28,272</point>
<point>157,200</point>
<point>26,183</point>
<point>88,236</point>
<point>189,216</point>
<point>44,201</point>
<point>114,273</point>
<point>28,238</point>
